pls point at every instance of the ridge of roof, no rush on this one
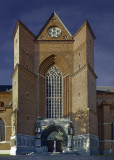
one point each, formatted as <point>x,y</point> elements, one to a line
<point>53,14</point>
<point>22,25</point>
<point>63,24</point>
<point>90,29</point>
<point>79,29</point>
<point>5,88</point>
<point>98,88</point>
<point>105,88</point>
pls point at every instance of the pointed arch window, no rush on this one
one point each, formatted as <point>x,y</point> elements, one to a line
<point>54,93</point>
<point>2,130</point>
<point>112,130</point>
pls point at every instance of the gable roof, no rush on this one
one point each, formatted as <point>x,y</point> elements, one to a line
<point>89,27</point>
<point>105,88</point>
<point>23,26</point>
<point>43,28</point>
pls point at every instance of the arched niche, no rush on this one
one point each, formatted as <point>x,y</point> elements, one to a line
<point>51,61</point>
<point>57,61</point>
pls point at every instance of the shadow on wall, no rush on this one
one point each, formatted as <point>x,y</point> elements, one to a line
<point>80,120</point>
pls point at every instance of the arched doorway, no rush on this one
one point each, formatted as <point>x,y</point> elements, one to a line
<point>54,138</point>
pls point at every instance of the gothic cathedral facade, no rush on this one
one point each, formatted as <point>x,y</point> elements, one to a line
<point>54,90</point>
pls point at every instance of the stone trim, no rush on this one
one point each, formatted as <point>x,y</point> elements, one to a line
<point>82,68</point>
<point>86,144</point>
<point>41,76</point>
<point>4,151</point>
<point>7,126</point>
<point>18,65</point>
<point>77,72</point>
<point>5,142</point>
<point>27,70</point>
<point>56,41</point>
<point>65,76</point>
<point>13,150</point>
<point>13,137</point>
<point>53,60</point>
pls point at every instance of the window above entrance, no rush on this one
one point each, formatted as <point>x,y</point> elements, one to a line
<point>54,95</point>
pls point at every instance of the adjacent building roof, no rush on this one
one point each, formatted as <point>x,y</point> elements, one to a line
<point>4,88</point>
<point>98,88</point>
<point>105,88</point>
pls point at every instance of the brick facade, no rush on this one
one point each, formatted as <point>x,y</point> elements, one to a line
<point>5,115</point>
<point>74,56</point>
<point>105,108</point>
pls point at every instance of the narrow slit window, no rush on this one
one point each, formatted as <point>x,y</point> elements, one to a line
<point>112,130</point>
<point>2,130</point>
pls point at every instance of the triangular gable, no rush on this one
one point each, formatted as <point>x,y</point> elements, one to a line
<point>19,23</point>
<point>54,22</point>
<point>89,27</point>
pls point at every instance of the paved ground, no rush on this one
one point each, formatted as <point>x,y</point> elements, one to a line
<point>56,157</point>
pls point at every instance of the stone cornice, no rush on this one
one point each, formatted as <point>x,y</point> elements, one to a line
<point>77,72</point>
<point>28,71</point>
<point>82,68</point>
<point>55,41</point>
<point>22,67</point>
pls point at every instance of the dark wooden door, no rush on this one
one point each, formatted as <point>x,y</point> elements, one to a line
<point>50,145</point>
<point>59,145</point>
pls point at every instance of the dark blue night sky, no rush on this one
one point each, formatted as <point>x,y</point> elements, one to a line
<point>34,14</point>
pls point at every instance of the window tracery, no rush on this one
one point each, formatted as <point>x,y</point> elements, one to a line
<point>54,93</point>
